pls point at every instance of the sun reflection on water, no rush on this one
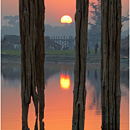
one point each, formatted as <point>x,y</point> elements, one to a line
<point>65,81</point>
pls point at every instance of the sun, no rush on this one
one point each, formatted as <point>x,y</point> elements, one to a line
<point>66,19</point>
<point>65,81</point>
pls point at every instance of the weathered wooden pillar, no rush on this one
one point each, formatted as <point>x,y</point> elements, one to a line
<point>31,14</point>
<point>110,63</point>
<point>81,18</point>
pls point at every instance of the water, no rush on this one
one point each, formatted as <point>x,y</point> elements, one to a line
<point>59,99</point>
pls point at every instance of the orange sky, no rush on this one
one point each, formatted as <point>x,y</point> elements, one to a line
<point>55,9</point>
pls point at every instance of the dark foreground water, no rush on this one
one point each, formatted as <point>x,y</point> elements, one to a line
<point>59,98</point>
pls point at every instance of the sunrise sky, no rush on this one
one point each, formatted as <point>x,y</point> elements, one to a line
<point>55,9</point>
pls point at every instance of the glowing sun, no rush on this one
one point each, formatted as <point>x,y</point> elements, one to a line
<point>66,19</point>
<point>65,81</point>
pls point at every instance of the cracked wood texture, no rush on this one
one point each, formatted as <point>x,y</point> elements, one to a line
<point>31,14</point>
<point>79,98</point>
<point>110,64</point>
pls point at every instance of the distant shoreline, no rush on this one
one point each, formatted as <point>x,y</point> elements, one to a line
<point>92,60</point>
<point>60,58</point>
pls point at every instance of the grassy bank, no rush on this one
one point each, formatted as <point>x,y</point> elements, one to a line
<point>51,56</point>
<point>48,52</point>
<point>12,52</point>
<point>56,52</point>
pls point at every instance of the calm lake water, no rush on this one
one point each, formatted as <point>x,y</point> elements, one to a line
<point>59,98</point>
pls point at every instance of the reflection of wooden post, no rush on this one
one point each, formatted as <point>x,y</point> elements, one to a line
<point>88,50</point>
<point>96,47</point>
<point>110,64</point>
<point>32,58</point>
<point>79,100</point>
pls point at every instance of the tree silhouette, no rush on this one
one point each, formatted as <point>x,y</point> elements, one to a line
<point>124,19</point>
<point>81,18</point>
<point>32,58</point>
<point>110,64</point>
<point>6,18</point>
<point>96,13</point>
<point>11,20</point>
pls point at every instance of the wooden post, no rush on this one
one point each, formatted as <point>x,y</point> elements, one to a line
<point>110,63</point>
<point>79,99</point>
<point>31,14</point>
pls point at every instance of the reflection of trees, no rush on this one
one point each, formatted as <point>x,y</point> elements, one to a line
<point>49,72</point>
<point>63,69</point>
<point>124,77</point>
<point>10,76</point>
<point>88,74</point>
<point>12,73</point>
<point>93,76</point>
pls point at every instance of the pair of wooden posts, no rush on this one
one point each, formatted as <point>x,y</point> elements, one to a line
<point>32,42</point>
